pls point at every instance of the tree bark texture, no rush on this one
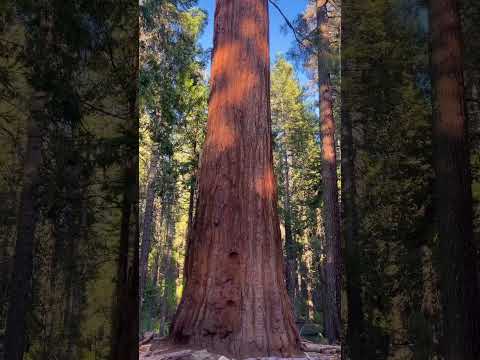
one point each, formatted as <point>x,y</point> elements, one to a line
<point>235,300</point>
<point>330,189</point>
<point>458,263</point>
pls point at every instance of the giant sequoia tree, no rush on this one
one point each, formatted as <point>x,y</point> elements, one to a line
<point>235,299</point>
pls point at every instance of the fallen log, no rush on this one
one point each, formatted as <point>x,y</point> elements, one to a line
<point>319,348</point>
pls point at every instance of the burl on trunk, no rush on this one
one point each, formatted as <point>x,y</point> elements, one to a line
<point>235,300</point>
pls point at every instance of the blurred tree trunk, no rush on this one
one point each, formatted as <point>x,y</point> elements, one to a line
<point>27,216</point>
<point>350,231</point>
<point>148,217</point>
<point>125,314</point>
<point>458,263</point>
<point>350,224</point>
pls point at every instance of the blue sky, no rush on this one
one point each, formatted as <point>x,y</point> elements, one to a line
<point>280,42</point>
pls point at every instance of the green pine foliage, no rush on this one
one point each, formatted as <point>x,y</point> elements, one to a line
<point>391,114</point>
<point>173,108</point>
<point>297,154</point>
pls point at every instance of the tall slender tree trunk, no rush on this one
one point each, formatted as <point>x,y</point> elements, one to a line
<point>330,189</point>
<point>74,284</point>
<point>291,256</point>
<point>148,217</point>
<point>168,268</point>
<point>235,299</point>
<point>125,314</point>
<point>458,263</point>
<point>155,268</point>
<point>191,213</point>
<point>27,216</point>
<point>160,217</point>
<point>303,290</point>
<point>120,327</point>
<point>191,205</point>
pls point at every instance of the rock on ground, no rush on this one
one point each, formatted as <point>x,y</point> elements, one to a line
<point>161,349</point>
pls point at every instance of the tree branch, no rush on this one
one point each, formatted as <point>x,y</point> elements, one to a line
<point>289,24</point>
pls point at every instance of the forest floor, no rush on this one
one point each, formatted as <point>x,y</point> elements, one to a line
<point>161,349</point>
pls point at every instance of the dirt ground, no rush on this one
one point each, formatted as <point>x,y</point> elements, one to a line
<point>161,349</point>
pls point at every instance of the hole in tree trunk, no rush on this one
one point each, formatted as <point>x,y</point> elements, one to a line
<point>234,255</point>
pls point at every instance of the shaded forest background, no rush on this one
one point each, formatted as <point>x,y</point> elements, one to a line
<point>383,113</point>
<point>68,180</point>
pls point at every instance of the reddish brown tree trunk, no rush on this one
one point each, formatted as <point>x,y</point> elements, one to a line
<point>235,299</point>
<point>458,263</point>
<point>330,188</point>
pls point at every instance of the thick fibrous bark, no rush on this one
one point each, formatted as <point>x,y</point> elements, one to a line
<point>458,263</point>
<point>330,189</point>
<point>235,300</point>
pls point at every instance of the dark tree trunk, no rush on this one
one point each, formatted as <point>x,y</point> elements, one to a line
<point>235,300</point>
<point>330,187</point>
<point>350,231</point>
<point>169,269</point>
<point>125,314</point>
<point>74,284</point>
<point>125,309</point>
<point>27,216</point>
<point>148,217</point>
<point>350,224</point>
<point>458,263</point>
